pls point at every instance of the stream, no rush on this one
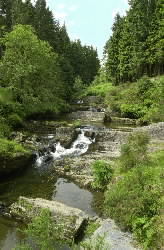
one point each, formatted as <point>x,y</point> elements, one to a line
<point>39,181</point>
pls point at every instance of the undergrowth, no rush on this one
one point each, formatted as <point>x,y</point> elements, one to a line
<point>135,200</point>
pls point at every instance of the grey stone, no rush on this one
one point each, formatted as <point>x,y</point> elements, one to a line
<point>72,219</point>
<point>114,238</point>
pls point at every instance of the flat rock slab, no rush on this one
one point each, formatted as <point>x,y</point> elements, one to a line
<point>87,116</point>
<point>114,238</point>
<point>154,130</point>
<point>72,219</point>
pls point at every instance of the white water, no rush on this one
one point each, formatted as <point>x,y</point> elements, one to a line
<point>79,147</point>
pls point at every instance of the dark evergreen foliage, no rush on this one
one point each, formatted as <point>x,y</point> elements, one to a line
<point>136,46</point>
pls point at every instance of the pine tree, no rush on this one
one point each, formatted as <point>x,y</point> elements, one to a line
<point>112,50</point>
<point>155,41</point>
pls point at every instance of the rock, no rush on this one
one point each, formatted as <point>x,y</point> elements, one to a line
<point>114,238</point>
<point>18,162</point>
<point>66,135</point>
<point>125,121</point>
<point>87,116</point>
<point>107,117</point>
<point>3,207</point>
<point>72,219</point>
<point>155,130</point>
<point>110,141</point>
<point>92,100</point>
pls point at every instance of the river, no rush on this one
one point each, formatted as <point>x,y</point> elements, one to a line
<point>39,181</point>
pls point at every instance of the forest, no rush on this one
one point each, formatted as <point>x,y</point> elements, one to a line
<point>41,68</point>
<point>136,46</point>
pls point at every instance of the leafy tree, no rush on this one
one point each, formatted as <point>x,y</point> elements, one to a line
<point>29,67</point>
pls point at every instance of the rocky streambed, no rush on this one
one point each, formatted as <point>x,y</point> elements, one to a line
<point>61,176</point>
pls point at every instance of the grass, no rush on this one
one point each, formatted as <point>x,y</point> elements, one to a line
<point>10,148</point>
<point>91,228</point>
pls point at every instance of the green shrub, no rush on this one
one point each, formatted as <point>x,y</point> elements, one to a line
<point>98,89</point>
<point>102,173</point>
<point>77,123</point>
<point>4,128</point>
<point>91,228</point>
<point>10,148</point>
<point>43,232</point>
<point>15,120</point>
<point>134,152</point>
<point>97,243</point>
<point>141,100</point>
<point>135,202</point>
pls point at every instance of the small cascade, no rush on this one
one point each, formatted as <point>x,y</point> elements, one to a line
<point>78,147</point>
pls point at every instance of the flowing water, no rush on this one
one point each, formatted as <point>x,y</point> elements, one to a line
<point>38,180</point>
<point>78,147</point>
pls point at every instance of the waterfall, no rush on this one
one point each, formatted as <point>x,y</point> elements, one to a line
<point>78,147</point>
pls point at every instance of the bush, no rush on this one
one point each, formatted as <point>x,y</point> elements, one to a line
<point>135,202</point>
<point>99,89</point>
<point>102,173</point>
<point>134,152</point>
<point>43,232</point>
<point>4,129</point>
<point>10,148</point>
<point>141,100</point>
<point>15,120</point>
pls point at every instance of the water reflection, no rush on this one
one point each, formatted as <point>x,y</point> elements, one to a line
<point>71,195</point>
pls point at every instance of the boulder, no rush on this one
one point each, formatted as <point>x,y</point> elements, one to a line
<point>113,237</point>
<point>66,136</point>
<point>72,219</point>
<point>16,163</point>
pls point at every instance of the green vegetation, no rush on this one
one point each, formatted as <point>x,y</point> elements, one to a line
<point>142,100</point>
<point>77,123</point>
<point>30,69</point>
<point>102,173</point>
<point>97,243</point>
<point>129,59</point>
<point>43,233</point>
<point>134,152</point>
<point>10,148</point>
<point>99,89</point>
<point>135,199</point>
<point>41,68</point>
<point>91,228</point>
